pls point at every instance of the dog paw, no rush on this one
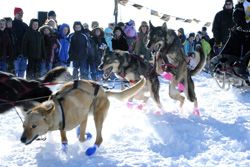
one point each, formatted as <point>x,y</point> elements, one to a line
<point>91,150</point>
<point>196,112</point>
<point>130,104</point>
<point>87,134</point>
<point>167,76</point>
<point>65,147</point>
<point>181,87</point>
<point>140,106</point>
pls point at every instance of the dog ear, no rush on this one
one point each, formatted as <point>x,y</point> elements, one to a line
<point>48,106</point>
<point>164,26</point>
<point>150,25</point>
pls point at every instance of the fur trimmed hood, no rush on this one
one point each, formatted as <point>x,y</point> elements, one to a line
<point>42,28</point>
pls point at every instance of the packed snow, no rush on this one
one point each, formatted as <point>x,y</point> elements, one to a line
<point>220,136</point>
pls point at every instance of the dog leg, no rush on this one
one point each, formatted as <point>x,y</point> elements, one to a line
<point>100,112</point>
<point>83,126</point>
<point>175,94</point>
<point>64,140</point>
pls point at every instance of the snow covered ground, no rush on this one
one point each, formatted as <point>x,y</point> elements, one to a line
<point>219,137</point>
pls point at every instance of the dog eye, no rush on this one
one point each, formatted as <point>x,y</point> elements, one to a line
<point>33,126</point>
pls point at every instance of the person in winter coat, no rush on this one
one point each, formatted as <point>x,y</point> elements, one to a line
<point>108,35</point>
<point>239,43</point>
<point>141,41</point>
<point>78,52</point>
<point>63,41</point>
<point>119,41</point>
<point>131,35</point>
<point>34,49</point>
<point>13,40</point>
<point>5,46</point>
<point>100,46</point>
<point>51,44</point>
<point>223,22</point>
<point>181,35</point>
<point>19,29</point>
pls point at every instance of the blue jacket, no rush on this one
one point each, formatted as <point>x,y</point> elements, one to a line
<point>63,44</point>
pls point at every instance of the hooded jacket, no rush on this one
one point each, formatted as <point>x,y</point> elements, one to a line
<point>222,24</point>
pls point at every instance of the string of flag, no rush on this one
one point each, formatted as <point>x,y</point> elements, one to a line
<point>162,16</point>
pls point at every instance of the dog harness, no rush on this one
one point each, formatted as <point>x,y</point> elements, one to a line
<point>60,97</point>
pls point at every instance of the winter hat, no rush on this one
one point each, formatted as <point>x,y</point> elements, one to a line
<point>131,23</point>
<point>231,1</point>
<point>181,30</point>
<point>94,24</point>
<point>18,10</point>
<point>51,13</point>
<point>191,35</point>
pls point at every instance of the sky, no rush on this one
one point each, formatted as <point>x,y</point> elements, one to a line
<point>220,137</point>
<point>102,11</point>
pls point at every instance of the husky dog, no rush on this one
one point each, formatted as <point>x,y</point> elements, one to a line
<point>169,56</point>
<point>24,93</point>
<point>129,67</point>
<point>70,107</point>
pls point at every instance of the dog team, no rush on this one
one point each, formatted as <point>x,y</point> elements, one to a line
<point>70,106</point>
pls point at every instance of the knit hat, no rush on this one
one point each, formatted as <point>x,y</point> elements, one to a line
<point>51,13</point>
<point>18,10</point>
<point>231,1</point>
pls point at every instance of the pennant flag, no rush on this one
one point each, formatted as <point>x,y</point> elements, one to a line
<point>196,20</point>
<point>178,18</point>
<point>123,2</point>
<point>165,17</point>
<point>154,12</point>
<point>207,24</point>
<point>137,6</point>
<point>188,20</point>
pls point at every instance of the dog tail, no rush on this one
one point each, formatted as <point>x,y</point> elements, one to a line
<point>55,74</point>
<point>129,92</point>
<point>199,52</point>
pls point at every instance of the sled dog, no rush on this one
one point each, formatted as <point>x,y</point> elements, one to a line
<point>24,93</point>
<point>130,67</point>
<point>70,107</point>
<point>169,56</point>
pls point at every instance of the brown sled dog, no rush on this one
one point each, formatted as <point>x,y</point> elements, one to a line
<point>169,56</point>
<point>130,67</point>
<point>70,107</point>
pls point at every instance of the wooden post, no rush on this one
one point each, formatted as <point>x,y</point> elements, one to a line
<point>116,11</point>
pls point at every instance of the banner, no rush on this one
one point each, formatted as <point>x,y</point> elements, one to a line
<point>162,16</point>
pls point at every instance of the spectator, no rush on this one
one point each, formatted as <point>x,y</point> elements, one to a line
<point>78,51</point>
<point>63,41</point>
<point>51,44</point>
<point>100,45</point>
<point>239,43</point>
<point>108,35</point>
<point>19,29</point>
<point>131,35</point>
<point>223,22</point>
<point>34,50</point>
<point>13,39</point>
<point>5,46</point>
<point>181,35</point>
<point>205,34</point>
<point>52,15</point>
<point>189,45</point>
<point>119,41</point>
<point>141,41</point>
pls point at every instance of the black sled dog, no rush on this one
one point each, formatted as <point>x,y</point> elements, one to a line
<point>169,56</point>
<point>24,93</point>
<point>130,67</point>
